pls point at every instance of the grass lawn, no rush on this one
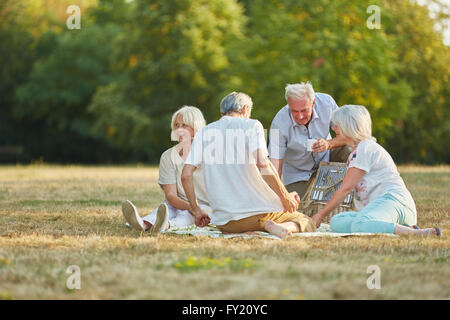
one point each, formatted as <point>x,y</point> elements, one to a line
<point>52,217</point>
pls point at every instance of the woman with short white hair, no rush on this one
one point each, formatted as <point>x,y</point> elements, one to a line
<point>383,203</point>
<point>174,211</point>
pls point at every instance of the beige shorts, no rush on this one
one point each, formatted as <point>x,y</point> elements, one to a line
<point>256,223</point>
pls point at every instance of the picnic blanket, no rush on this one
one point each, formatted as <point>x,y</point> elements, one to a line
<point>211,231</point>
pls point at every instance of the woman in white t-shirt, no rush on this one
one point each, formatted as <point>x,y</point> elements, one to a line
<point>383,203</point>
<point>174,211</point>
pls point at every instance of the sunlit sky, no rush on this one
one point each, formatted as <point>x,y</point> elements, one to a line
<point>447,30</point>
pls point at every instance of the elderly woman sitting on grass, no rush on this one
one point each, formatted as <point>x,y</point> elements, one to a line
<point>174,211</point>
<point>383,203</point>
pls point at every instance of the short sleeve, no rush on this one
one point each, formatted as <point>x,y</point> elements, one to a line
<point>195,155</point>
<point>362,158</point>
<point>167,169</point>
<point>256,139</point>
<point>277,142</point>
<point>334,107</point>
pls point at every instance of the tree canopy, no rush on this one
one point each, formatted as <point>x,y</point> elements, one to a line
<point>106,92</point>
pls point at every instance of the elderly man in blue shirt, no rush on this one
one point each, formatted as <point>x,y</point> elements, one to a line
<point>306,116</point>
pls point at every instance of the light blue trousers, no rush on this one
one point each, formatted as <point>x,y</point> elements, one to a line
<point>379,216</point>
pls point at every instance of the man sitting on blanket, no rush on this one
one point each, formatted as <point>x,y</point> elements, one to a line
<point>243,188</point>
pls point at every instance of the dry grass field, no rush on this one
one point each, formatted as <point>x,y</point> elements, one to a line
<point>52,217</point>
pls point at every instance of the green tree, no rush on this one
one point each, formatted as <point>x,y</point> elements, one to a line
<point>69,66</point>
<point>176,56</point>
<point>422,134</point>
<point>400,72</point>
<point>328,43</point>
<point>16,52</point>
<point>107,92</point>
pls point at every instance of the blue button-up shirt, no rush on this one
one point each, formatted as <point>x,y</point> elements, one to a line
<point>287,139</point>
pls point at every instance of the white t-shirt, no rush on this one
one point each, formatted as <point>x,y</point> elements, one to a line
<point>170,168</point>
<point>236,190</point>
<point>381,175</point>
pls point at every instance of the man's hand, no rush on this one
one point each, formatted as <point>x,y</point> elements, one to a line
<point>296,196</point>
<point>317,219</point>
<point>321,145</point>
<point>290,202</point>
<point>201,218</point>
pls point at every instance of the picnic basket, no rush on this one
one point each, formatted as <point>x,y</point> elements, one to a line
<point>327,179</point>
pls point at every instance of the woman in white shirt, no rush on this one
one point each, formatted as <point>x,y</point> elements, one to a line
<point>174,211</point>
<point>383,203</point>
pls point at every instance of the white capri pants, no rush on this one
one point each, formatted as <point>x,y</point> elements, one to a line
<point>177,218</point>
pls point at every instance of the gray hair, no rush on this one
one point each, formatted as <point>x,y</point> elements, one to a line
<point>354,122</point>
<point>234,102</point>
<point>299,91</point>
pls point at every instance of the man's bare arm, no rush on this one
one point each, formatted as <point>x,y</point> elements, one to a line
<point>278,164</point>
<point>271,177</point>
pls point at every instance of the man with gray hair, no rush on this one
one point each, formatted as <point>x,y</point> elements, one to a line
<point>243,188</point>
<point>306,119</point>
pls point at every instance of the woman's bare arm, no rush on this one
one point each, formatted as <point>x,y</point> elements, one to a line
<point>170,191</point>
<point>351,179</point>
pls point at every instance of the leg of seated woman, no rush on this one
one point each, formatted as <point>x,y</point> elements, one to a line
<point>342,222</point>
<point>382,215</point>
<point>182,219</point>
<point>379,216</point>
<point>385,215</point>
<point>177,218</point>
<point>149,220</point>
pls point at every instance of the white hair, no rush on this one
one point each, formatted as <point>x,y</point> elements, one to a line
<point>354,122</point>
<point>234,102</point>
<point>192,117</point>
<point>299,91</point>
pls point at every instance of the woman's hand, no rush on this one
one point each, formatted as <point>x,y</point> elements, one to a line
<point>201,218</point>
<point>317,219</point>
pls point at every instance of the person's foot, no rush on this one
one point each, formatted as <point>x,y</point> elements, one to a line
<point>131,216</point>
<point>162,219</point>
<point>148,225</point>
<point>277,229</point>
<point>436,231</point>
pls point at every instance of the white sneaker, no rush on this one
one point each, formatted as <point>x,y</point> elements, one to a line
<point>162,219</point>
<point>131,215</point>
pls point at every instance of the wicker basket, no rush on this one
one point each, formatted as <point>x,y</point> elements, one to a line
<point>327,179</point>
